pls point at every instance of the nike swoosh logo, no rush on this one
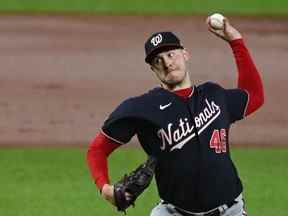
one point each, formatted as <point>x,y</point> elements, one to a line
<point>162,107</point>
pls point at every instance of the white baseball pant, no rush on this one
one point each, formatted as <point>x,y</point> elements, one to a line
<point>169,210</point>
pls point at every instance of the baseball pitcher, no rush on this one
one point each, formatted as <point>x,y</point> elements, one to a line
<point>184,128</point>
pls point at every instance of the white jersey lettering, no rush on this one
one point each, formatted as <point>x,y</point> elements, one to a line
<point>184,131</point>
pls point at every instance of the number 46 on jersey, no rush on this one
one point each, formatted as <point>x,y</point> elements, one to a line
<point>218,141</point>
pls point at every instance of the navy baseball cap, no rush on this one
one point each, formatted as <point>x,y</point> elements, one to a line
<point>160,42</point>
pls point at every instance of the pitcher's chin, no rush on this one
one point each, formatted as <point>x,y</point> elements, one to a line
<point>175,77</point>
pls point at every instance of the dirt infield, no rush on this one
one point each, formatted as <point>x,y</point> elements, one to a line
<point>61,76</point>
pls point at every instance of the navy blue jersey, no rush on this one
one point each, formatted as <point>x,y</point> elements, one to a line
<point>190,139</point>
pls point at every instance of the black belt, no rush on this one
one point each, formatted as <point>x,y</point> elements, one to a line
<point>215,212</point>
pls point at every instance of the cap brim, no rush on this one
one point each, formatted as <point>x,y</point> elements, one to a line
<point>159,49</point>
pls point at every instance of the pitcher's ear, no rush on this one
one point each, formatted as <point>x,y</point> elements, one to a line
<point>186,54</point>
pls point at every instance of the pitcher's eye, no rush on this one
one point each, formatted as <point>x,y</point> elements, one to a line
<point>171,54</point>
<point>157,61</point>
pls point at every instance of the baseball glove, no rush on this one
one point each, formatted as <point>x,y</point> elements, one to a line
<point>127,190</point>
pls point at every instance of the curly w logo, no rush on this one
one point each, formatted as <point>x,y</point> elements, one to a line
<point>156,40</point>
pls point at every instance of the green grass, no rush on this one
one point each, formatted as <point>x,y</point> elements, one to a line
<point>239,7</point>
<point>57,182</point>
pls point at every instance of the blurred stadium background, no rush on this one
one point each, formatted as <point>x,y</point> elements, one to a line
<point>66,64</point>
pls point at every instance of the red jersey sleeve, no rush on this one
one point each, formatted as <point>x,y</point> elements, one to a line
<point>98,152</point>
<point>248,76</point>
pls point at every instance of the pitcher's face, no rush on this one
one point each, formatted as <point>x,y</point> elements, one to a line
<point>170,66</point>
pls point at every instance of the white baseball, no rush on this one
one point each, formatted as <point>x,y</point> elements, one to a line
<point>217,21</point>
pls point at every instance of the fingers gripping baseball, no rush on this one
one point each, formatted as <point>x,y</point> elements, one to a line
<point>221,27</point>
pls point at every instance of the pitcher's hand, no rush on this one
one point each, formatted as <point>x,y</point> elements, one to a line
<point>108,193</point>
<point>228,33</point>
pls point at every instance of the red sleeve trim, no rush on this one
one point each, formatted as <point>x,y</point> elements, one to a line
<point>246,106</point>
<point>111,138</point>
<point>248,76</point>
<point>98,152</point>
